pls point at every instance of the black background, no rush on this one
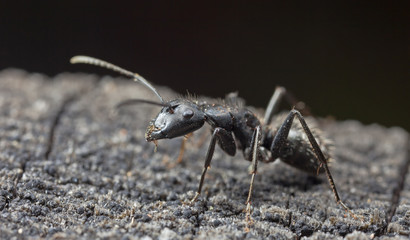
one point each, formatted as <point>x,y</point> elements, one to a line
<point>345,59</point>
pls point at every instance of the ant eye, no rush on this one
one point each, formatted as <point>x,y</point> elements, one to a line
<point>188,114</point>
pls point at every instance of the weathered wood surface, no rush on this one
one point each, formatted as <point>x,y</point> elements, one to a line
<point>69,168</point>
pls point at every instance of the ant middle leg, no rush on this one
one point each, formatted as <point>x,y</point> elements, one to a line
<point>274,102</point>
<point>281,138</point>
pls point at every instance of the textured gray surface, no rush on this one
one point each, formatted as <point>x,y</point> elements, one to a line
<point>70,168</point>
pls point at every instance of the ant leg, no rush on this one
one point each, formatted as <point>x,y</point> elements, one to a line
<point>256,137</point>
<point>273,106</point>
<point>182,149</point>
<point>181,152</point>
<point>281,137</point>
<point>218,133</point>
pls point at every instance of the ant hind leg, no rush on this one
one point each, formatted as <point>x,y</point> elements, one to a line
<point>281,137</point>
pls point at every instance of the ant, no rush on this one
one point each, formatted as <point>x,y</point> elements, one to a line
<point>235,127</point>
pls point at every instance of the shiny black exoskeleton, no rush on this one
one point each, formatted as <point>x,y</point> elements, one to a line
<point>234,126</point>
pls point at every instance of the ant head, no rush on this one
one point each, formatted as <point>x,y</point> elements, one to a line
<point>178,118</point>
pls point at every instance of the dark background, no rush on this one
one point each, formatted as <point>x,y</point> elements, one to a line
<point>347,59</point>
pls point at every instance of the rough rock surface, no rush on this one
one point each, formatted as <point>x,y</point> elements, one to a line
<point>70,168</point>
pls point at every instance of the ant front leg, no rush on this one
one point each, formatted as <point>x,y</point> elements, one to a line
<point>181,151</point>
<point>228,145</point>
<point>281,137</point>
<point>182,148</point>
<point>255,142</point>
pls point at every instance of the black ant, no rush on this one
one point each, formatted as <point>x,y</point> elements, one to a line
<point>235,127</point>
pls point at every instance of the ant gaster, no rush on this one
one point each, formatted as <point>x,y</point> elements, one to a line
<point>235,127</point>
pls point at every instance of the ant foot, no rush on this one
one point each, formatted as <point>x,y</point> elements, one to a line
<point>361,218</point>
<point>195,198</point>
<point>248,215</point>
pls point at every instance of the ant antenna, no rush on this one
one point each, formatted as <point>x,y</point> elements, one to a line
<point>136,101</point>
<point>104,64</point>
